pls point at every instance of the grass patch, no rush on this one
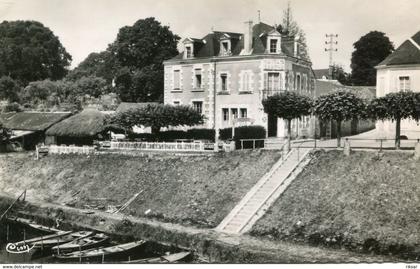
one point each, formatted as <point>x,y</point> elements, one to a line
<point>365,202</point>
<point>190,190</point>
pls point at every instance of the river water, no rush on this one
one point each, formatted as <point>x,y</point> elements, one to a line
<point>12,233</point>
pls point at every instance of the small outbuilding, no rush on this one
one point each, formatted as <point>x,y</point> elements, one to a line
<point>80,129</point>
<point>28,128</point>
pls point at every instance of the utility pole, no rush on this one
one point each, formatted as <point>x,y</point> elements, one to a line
<point>331,43</point>
<point>259,16</point>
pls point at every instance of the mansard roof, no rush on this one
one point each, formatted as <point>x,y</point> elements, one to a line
<point>209,45</point>
<point>407,53</point>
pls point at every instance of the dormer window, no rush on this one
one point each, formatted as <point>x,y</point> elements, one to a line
<point>225,47</point>
<point>273,45</point>
<point>273,42</point>
<point>188,51</point>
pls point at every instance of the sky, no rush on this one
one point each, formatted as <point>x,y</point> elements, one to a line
<point>85,26</point>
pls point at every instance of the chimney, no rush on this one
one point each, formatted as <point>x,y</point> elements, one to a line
<point>248,38</point>
<point>296,46</point>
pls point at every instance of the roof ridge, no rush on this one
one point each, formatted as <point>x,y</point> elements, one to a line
<point>414,43</point>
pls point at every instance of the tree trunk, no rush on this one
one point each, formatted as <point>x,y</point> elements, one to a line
<point>338,133</point>
<point>397,133</point>
<point>289,133</point>
<point>155,129</point>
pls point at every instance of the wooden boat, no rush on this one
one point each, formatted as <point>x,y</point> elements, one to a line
<point>170,258</point>
<point>36,240</point>
<point>32,224</point>
<point>92,241</point>
<point>100,254</point>
<point>49,243</point>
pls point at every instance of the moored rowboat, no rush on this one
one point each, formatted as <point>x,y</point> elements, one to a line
<point>32,224</point>
<point>170,258</point>
<point>49,243</point>
<point>93,241</point>
<point>98,254</point>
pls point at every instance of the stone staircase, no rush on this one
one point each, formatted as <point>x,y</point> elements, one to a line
<point>274,143</point>
<point>264,193</point>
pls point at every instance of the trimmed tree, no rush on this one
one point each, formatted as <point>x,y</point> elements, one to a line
<point>339,106</point>
<point>288,105</point>
<point>157,116</point>
<point>396,107</point>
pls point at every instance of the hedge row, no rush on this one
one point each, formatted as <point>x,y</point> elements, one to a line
<point>244,132</point>
<point>197,134</point>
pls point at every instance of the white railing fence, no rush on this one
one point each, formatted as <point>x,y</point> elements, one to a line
<point>163,146</point>
<point>63,149</point>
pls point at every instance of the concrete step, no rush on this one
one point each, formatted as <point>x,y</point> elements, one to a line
<point>256,199</point>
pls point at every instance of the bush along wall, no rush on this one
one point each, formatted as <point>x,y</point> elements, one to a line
<point>169,136</point>
<point>244,132</point>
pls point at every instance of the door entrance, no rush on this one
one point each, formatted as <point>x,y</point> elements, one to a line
<point>272,126</point>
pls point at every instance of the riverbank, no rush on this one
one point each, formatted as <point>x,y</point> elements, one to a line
<point>195,191</point>
<point>207,243</point>
<point>365,202</point>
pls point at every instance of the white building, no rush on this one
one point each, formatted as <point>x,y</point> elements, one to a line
<point>400,71</point>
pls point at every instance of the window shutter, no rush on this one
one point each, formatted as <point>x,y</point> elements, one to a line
<point>265,81</point>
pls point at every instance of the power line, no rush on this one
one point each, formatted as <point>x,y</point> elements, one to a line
<point>331,43</point>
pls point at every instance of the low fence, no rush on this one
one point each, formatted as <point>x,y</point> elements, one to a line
<point>161,146</point>
<point>63,149</point>
<point>357,143</point>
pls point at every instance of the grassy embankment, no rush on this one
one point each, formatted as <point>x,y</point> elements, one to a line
<point>189,190</point>
<point>365,202</point>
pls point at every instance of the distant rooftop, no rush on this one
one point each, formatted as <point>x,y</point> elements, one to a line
<point>407,53</point>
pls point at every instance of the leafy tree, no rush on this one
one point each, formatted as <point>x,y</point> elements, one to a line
<point>92,86</point>
<point>370,50</point>
<point>141,49</point>
<point>339,74</point>
<point>103,64</point>
<point>4,134</point>
<point>291,28</point>
<point>288,105</point>
<point>157,116</point>
<point>9,89</point>
<point>339,106</point>
<point>29,51</point>
<point>396,107</point>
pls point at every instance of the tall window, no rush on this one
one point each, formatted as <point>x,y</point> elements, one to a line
<point>404,83</point>
<point>298,83</point>
<point>197,83</point>
<point>176,80</point>
<point>223,78</point>
<point>234,112</point>
<point>189,52</point>
<point>273,81</point>
<point>225,112</point>
<point>273,45</point>
<point>244,113</point>
<point>246,82</point>
<point>198,106</point>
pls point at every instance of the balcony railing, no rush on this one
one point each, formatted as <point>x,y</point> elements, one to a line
<point>269,92</point>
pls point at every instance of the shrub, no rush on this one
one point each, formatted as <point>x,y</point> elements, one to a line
<point>198,134</point>
<point>204,134</point>
<point>12,107</point>
<point>244,132</point>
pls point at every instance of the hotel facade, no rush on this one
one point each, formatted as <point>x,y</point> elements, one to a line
<point>225,76</point>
